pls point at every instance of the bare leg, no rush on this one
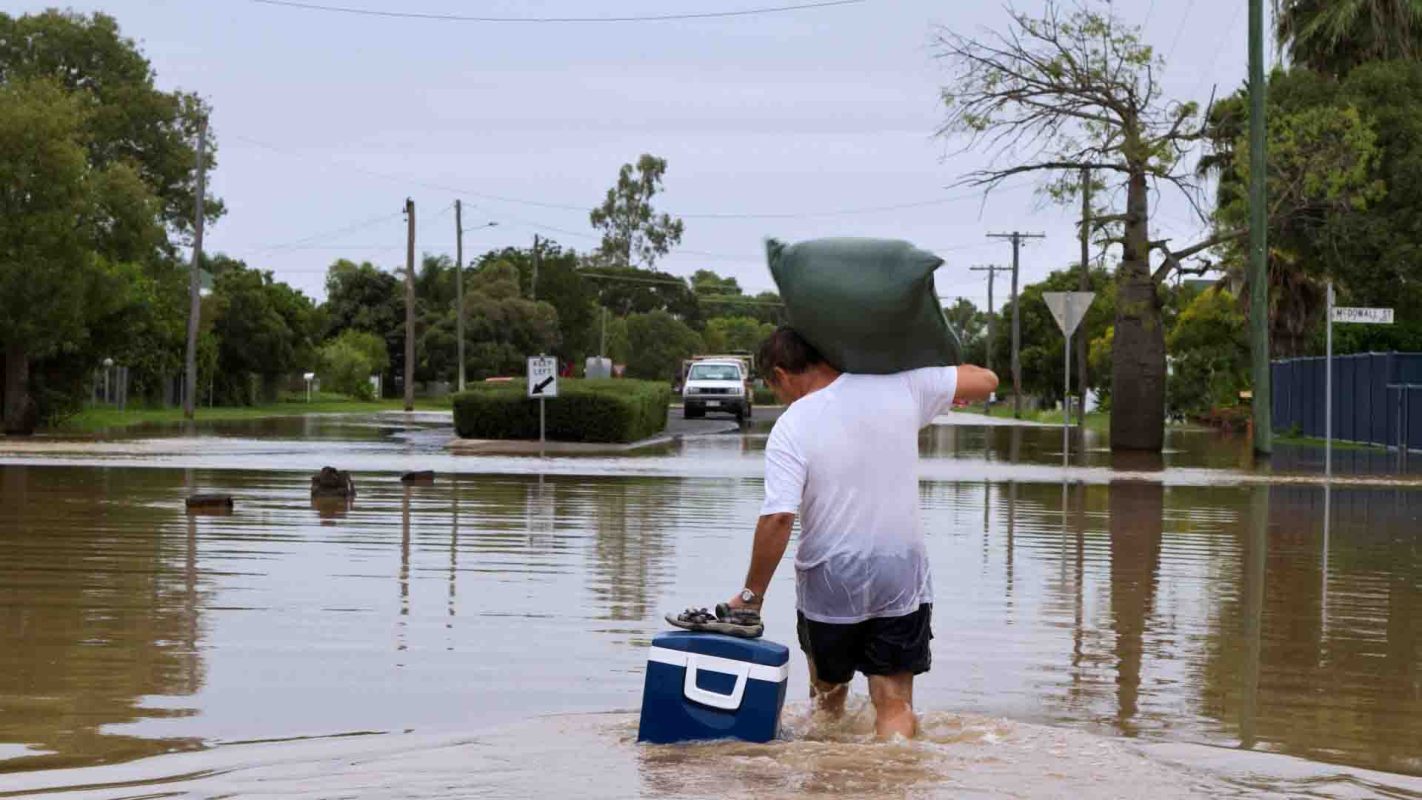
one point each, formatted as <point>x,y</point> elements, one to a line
<point>893,705</point>
<point>828,697</point>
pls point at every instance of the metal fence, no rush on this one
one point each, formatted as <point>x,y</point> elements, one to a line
<point>1377,397</point>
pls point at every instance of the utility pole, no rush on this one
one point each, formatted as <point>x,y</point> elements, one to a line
<point>409,305</point>
<point>194,284</point>
<point>1084,285</point>
<point>1016,238</point>
<point>533,284</point>
<point>1258,239</point>
<point>459,286</point>
<point>992,271</point>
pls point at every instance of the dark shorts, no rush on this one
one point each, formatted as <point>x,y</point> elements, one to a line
<point>880,646</point>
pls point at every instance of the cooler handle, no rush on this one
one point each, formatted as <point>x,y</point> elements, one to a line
<point>728,702</point>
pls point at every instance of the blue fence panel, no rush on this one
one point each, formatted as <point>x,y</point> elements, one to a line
<point>1345,396</point>
<point>1412,416</point>
<point>1380,364</point>
<point>1364,408</point>
<point>1279,397</point>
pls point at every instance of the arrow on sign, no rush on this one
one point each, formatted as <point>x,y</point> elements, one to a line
<point>541,385</point>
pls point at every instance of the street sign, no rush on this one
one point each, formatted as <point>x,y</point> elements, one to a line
<point>1366,316</point>
<point>542,376</point>
<point>1068,308</point>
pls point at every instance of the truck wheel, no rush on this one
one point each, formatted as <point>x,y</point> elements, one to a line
<point>688,412</point>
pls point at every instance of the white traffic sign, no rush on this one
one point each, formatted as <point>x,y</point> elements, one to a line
<point>1068,308</point>
<point>1366,316</point>
<point>542,376</point>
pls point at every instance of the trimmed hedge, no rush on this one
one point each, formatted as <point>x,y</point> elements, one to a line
<point>584,411</point>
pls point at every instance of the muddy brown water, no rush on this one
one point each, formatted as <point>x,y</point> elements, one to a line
<point>1177,624</point>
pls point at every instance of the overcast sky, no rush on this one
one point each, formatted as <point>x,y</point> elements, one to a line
<point>325,122</point>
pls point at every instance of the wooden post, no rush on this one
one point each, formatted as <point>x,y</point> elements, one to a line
<point>410,305</point>
<point>1016,238</point>
<point>459,285</point>
<point>1258,238</point>
<point>533,283</point>
<point>1084,285</point>
<point>194,284</point>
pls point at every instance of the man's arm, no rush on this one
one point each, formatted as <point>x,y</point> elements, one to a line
<point>975,384</point>
<point>772,536</point>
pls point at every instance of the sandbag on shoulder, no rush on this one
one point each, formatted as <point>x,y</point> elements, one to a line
<point>868,305</point>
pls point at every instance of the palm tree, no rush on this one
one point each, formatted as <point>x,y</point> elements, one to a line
<point>1333,36</point>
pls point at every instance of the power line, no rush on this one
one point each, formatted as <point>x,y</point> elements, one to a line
<point>370,12</point>
<point>708,215</point>
<point>297,244</point>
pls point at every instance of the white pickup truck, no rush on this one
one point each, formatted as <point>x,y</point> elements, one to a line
<point>716,385</point>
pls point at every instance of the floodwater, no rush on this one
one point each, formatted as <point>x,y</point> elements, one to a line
<point>1182,624</point>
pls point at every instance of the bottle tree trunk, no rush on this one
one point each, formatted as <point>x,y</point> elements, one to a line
<point>1138,352</point>
<point>19,410</point>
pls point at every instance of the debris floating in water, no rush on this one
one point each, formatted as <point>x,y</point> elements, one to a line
<point>209,502</point>
<point>332,482</point>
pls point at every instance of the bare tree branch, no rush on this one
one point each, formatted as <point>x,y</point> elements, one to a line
<point>1173,258</point>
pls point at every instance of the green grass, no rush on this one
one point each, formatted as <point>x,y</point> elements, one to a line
<point>1314,441</point>
<point>1095,420</point>
<point>99,418</point>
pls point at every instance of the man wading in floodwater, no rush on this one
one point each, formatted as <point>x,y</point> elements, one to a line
<point>844,456</point>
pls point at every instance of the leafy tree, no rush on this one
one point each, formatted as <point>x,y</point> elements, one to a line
<point>633,234</point>
<point>1334,36</point>
<point>137,145</point>
<point>363,298</point>
<point>434,282</point>
<point>657,344</point>
<point>971,326</point>
<point>129,120</point>
<point>69,239</point>
<point>618,348</point>
<point>265,330</point>
<point>562,285</point>
<point>733,334</point>
<point>1209,354</point>
<point>1058,94</point>
<point>502,326</point>
<point>348,361</point>
<point>1345,181</point>
<point>1323,170</point>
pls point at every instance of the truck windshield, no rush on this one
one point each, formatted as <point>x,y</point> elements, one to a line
<point>714,372</point>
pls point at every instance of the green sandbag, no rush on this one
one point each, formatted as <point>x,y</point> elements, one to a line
<point>868,305</point>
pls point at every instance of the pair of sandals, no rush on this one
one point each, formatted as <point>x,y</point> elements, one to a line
<point>742,622</point>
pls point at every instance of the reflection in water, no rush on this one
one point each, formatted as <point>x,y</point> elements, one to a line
<point>630,550</point>
<point>330,509</point>
<point>1163,613</point>
<point>1323,635</point>
<point>1137,509</point>
<point>93,621</point>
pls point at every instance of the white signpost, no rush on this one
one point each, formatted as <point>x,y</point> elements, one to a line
<point>1068,309</point>
<point>542,384</point>
<point>1364,316</point>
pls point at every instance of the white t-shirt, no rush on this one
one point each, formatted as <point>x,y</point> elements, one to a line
<point>845,458</point>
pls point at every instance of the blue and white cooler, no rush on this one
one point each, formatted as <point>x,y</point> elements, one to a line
<point>711,686</point>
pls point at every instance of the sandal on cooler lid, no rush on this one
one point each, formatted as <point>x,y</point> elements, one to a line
<point>740,622</point>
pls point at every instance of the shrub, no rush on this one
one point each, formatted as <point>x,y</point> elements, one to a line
<point>584,411</point>
<point>763,396</point>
